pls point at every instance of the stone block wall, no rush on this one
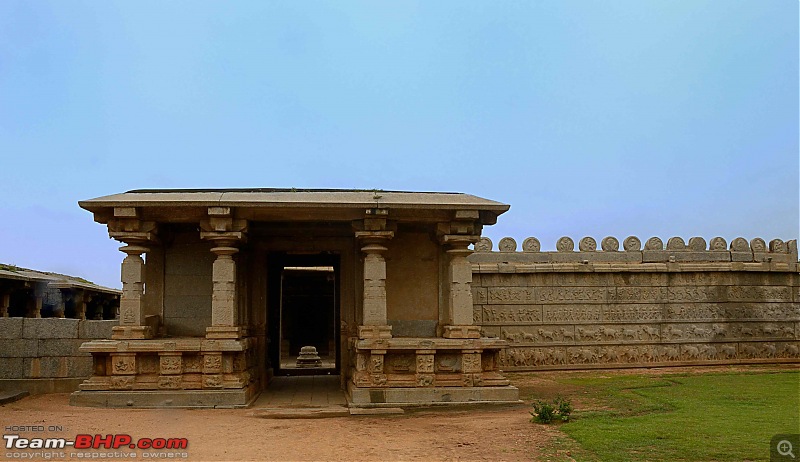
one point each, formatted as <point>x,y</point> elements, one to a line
<point>658,306</point>
<point>42,355</point>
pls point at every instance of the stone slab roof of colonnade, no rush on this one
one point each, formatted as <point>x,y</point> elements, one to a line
<point>293,204</point>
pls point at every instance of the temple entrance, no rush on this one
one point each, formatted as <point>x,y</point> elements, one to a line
<point>304,314</point>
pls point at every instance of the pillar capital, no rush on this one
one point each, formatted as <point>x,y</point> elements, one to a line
<point>127,226</point>
<point>222,227</point>
<point>134,249</point>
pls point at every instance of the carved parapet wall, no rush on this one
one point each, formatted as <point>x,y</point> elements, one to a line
<point>651,305</point>
<point>185,372</point>
<point>413,371</point>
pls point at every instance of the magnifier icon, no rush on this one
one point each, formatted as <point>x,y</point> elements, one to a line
<point>785,448</point>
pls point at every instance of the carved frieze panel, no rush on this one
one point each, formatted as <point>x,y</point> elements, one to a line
<point>169,382</point>
<point>627,313</point>
<point>479,295</point>
<point>400,363</point>
<point>192,363</point>
<point>123,364</point>
<point>577,313</point>
<point>425,364</point>
<point>170,364</point>
<point>448,362</point>
<point>572,294</point>
<point>511,314</point>
<point>212,363</point>
<point>510,295</point>
<point>759,293</point>
<point>148,364</point>
<point>731,311</point>
<point>728,331</point>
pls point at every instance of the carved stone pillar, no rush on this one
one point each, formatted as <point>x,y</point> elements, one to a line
<point>79,298</point>
<point>224,319</point>
<point>458,322</point>
<point>127,226</point>
<point>5,303</point>
<point>131,304</point>
<point>35,302</point>
<point>374,322</point>
<point>226,233</point>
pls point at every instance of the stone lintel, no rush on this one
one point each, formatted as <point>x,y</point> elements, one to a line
<point>126,212</point>
<point>374,235</point>
<point>223,238</point>
<point>462,332</point>
<point>219,211</point>
<point>466,215</point>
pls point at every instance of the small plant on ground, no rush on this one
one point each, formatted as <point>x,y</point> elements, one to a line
<point>544,412</point>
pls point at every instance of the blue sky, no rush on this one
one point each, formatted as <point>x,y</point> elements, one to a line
<point>652,118</point>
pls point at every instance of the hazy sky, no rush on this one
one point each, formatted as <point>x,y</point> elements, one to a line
<point>652,118</point>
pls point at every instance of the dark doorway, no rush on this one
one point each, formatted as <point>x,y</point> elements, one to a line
<point>303,312</point>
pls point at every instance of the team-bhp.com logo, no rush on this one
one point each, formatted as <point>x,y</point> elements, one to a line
<point>95,442</point>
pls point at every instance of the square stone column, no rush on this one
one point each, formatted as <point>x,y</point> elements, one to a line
<point>375,322</point>
<point>5,303</point>
<point>459,319</point>
<point>34,307</point>
<point>80,298</point>
<point>224,313</point>
<point>131,303</point>
<point>225,232</point>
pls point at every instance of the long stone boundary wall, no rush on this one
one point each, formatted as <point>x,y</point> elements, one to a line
<point>643,306</point>
<point>41,355</point>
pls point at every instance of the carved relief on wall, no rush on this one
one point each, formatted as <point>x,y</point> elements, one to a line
<point>448,362</point>
<point>400,363</point>
<point>192,363</point>
<point>425,364</point>
<point>511,314</point>
<point>123,364</point>
<point>169,382</point>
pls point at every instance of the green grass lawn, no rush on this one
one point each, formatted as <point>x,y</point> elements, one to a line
<point>727,416</point>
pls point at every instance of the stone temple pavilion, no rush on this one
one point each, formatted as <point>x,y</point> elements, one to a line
<point>222,288</point>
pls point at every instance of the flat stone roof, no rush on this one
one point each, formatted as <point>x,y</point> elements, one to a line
<point>53,280</point>
<point>295,198</point>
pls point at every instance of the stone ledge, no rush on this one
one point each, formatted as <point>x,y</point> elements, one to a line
<point>405,397</point>
<point>156,345</point>
<point>165,399</point>
<point>425,343</point>
<point>44,385</point>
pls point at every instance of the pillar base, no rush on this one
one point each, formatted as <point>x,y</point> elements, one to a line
<point>368,332</point>
<point>131,332</point>
<point>224,332</point>
<point>461,332</point>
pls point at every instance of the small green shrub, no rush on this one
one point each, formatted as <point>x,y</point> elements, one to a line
<point>544,412</point>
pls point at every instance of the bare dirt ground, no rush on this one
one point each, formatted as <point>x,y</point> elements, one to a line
<point>479,434</point>
<point>222,434</point>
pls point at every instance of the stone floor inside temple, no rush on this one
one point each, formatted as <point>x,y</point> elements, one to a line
<point>302,397</point>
